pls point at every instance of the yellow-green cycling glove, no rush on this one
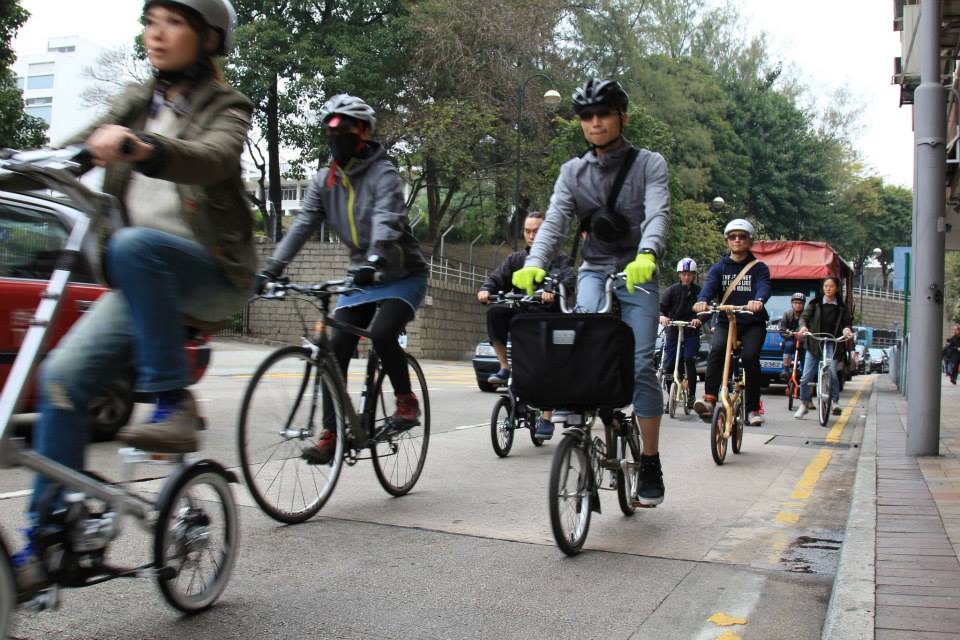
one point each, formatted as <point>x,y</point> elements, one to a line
<point>640,270</point>
<point>527,277</point>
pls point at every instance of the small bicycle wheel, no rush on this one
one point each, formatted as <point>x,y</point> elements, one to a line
<point>282,413</point>
<point>398,458</point>
<point>629,450</point>
<point>791,393</point>
<point>824,396</point>
<point>502,427</point>
<point>196,536</point>
<point>718,443</point>
<point>674,399</point>
<point>685,399</point>
<point>568,494</point>
<point>8,591</point>
<point>738,424</point>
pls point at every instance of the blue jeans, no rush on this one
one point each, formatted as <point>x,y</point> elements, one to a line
<point>641,311</point>
<point>159,277</point>
<point>811,368</point>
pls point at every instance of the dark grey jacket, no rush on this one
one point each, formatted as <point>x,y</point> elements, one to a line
<point>364,205</point>
<point>583,187</point>
<point>811,319</point>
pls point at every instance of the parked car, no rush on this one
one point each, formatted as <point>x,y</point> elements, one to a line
<point>33,231</point>
<point>485,364</point>
<point>862,355</point>
<point>879,362</point>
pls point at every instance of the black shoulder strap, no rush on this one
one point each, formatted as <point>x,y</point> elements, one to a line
<point>618,181</point>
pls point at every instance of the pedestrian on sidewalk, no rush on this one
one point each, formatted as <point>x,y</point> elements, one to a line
<point>951,354</point>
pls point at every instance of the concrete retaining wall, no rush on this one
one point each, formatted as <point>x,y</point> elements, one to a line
<point>447,327</point>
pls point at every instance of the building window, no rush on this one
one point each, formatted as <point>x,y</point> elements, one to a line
<point>38,102</point>
<point>40,82</point>
<point>44,113</point>
<point>21,83</point>
<point>40,68</point>
<point>67,49</point>
<point>288,193</point>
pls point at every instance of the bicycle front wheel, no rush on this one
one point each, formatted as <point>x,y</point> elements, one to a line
<point>398,457</point>
<point>675,400</point>
<point>197,536</point>
<point>629,450</point>
<point>569,493</point>
<point>824,396</point>
<point>718,443</point>
<point>502,427</point>
<point>282,413</point>
<point>791,393</point>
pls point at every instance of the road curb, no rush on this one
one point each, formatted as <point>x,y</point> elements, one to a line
<point>850,614</point>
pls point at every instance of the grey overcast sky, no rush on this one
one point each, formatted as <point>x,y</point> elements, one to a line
<point>825,44</point>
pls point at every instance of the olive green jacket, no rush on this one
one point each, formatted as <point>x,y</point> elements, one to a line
<point>204,162</point>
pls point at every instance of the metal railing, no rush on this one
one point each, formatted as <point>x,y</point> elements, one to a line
<point>877,292</point>
<point>453,270</point>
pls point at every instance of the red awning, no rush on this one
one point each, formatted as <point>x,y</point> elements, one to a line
<point>800,259</point>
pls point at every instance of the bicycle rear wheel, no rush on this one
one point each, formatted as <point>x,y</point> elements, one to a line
<point>568,493</point>
<point>824,396</point>
<point>197,536</point>
<point>8,591</point>
<point>398,457</point>
<point>502,427</point>
<point>282,412</point>
<point>718,444</point>
<point>628,452</point>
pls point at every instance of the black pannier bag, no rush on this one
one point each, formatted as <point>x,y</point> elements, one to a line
<point>572,360</point>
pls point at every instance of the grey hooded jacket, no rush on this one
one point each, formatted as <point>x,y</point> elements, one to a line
<point>365,208</point>
<point>583,187</point>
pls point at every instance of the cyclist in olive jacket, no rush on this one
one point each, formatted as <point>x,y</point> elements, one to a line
<point>824,314</point>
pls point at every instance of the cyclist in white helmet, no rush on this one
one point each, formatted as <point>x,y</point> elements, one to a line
<point>753,291</point>
<point>677,304</point>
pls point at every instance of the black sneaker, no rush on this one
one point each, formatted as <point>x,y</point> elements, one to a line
<point>650,489</point>
<point>499,378</point>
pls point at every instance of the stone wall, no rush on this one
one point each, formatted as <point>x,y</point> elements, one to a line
<point>881,313</point>
<point>447,327</point>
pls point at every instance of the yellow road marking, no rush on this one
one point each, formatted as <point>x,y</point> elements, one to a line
<point>729,635</point>
<point>803,489</point>
<point>723,620</point>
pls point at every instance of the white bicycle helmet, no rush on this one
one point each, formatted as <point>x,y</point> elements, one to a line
<point>346,105</point>
<point>687,264</point>
<point>218,14</point>
<point>739,225</point>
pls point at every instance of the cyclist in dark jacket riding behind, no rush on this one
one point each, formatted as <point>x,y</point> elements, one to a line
<point>789,324</point>
<point>501,280</point>
<point>677,304</point>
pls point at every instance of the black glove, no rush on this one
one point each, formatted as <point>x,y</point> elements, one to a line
<point>261,279</point>
<point>364,275</point>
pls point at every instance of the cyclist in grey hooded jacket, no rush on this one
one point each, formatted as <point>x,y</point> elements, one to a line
<point>360,197</point>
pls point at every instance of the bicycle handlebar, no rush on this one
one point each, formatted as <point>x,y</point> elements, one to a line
<point>511,299</point>
<point>727,308</point>
<point>277,289</point>
<point>826,337</point>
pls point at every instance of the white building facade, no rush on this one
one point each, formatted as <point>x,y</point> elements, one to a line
<point>52,82</point>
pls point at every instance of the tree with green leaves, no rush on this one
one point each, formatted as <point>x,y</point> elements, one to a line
<point>17,129</point>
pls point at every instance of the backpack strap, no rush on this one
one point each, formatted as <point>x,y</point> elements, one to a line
<point>615,189</point>
<point>736,281</point>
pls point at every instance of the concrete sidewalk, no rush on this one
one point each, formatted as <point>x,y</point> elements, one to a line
<point>899,574</point>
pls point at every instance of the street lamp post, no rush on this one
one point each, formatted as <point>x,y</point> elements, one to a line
<point>863,267</point>
<point>551,97</point>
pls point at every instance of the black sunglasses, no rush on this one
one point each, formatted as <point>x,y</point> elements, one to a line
<point>590,114</point>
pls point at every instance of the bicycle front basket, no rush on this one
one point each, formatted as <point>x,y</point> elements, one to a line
<point>574,360</point>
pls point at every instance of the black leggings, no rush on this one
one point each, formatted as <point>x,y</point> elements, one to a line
<point>752,336</point>
<point>388,321</point>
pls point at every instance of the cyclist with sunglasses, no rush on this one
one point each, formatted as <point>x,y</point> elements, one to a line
<point>752,291</point>
<point>627,236</point>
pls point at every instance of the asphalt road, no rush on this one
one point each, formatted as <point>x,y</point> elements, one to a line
<point>746,550</point>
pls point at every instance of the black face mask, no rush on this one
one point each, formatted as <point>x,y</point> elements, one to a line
<point>343,146</point>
